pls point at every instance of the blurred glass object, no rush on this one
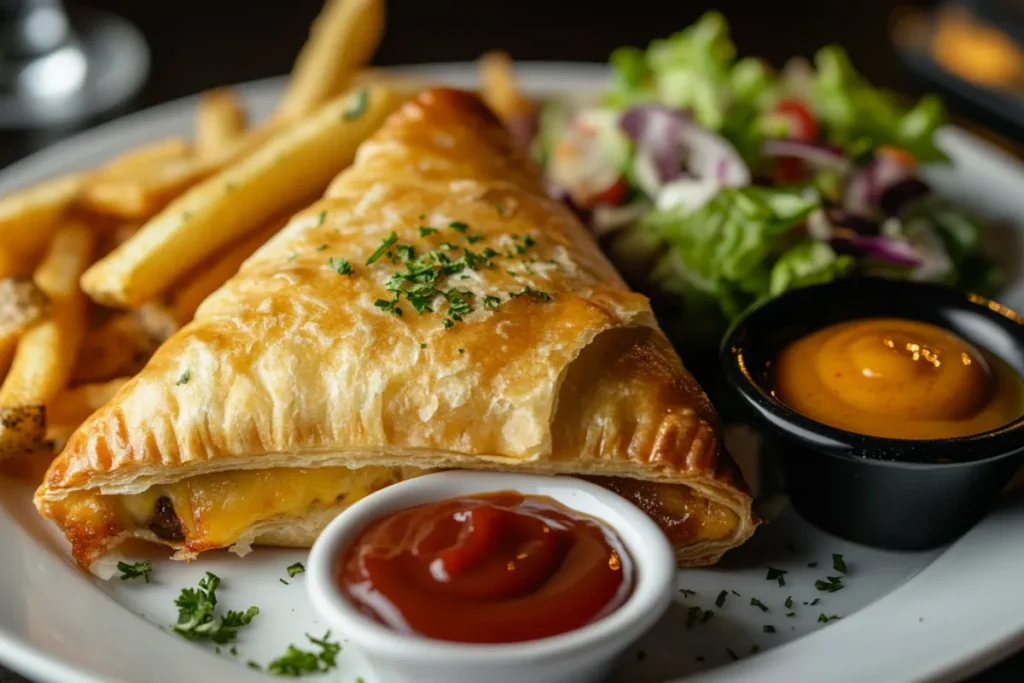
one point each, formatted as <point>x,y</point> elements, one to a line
<point>61,65</point>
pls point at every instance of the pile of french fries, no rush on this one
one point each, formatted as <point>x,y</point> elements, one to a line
<point>97,268</point>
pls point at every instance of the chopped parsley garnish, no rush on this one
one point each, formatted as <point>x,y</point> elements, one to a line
<point>812,565</point>
<point>533,294</point>
<point>791,614</point>
<point>283,581</point>
<point>768,629</point>
<point>253,665</point>
<point>296,568</point>
<point>789,602</point>
<point>758,604</point>
<point>834,583</point>
<point>321,218</point>
<point>358,108</point>
<point>449,246</point>
<point>462,350</point>
<point>489,253</point>
<point>383,248</point>
<point>815,601</point>
<point>321,247</point>
<point>696,615</point>
<point>134,571</point>
<point>185,377</point>
<point>823,619</point>
<point>295,662</point>
<point>524,242</point>
<point>233,651</point>
<point>732,655</point>
<point>423,346</point>
<point>406,251</point>
<point>388,306</point>
<point>458,303</point>
<point>447,323</point>
<point>458,225</point>
<point>735,593</point>
<point>838,563</point>
<point>687,593</point>
<point>424,231</point>
<point>473,239</point>
<point>197,618</point>
<point>340,265</point>
<point>777,575</point>
<point>720,600</point>
<point>491,302</point>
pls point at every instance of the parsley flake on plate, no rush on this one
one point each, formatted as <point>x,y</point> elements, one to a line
<point>198,618</point>
<point>720,600</point>
<point>687,593</point>
<point>296,568</point>
<point>424,231</point>
<point>458,225</point>
<point>754,602</point>
<point>824,619</point>
<point>777,575</point>
<point>833,584</point>
<point>838,563</point>
<point>135,570</point>
<point>768,629</point>
<point>789,602</point>
<point>295,662</point>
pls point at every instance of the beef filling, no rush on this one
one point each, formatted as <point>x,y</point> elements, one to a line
<point>165,522</point>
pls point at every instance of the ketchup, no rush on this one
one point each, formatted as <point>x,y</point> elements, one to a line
<point>492,568</point>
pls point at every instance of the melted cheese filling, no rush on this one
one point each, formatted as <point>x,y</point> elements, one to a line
<point>216,509</point>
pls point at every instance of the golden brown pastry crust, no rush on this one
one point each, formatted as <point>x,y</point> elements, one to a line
<point>292,364</point>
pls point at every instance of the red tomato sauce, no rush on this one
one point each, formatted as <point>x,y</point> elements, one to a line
<point>492,568</point>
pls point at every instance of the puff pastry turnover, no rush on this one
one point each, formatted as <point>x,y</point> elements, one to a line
<point>434,310</point>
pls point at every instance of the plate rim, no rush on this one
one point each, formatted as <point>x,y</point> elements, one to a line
<point>956,659</point>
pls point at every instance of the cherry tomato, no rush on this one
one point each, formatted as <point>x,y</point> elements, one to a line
<point>613,195</point>
<point>802,124</point>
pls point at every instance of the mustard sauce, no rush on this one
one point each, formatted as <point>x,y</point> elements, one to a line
<point>899,379</point>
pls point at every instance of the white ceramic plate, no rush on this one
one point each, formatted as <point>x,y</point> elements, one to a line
<point>905,616</point>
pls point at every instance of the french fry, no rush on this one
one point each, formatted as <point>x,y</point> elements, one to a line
<point>220,119</point>
<point>8,344</point>
<point>235,202</point>
<point>47,351</point>
<point>502,94</point>
<point>209,276</point>
<point>11,264</point>
<point>499,88</point>
<point>148,155</point>
<point>72,406</point>
<point>30,217</point>
<point>22,303</point>
<point>149,187</point>
<point>342,40</point>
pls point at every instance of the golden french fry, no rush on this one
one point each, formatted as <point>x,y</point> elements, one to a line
<point>30,217</point>
<point>47,351</point>
<point>408,85</point>
<point>11,264</point>
<point>220,119</point>
<point>71,406</point>
<point>235,202</point>
<point>341,41</point>
<point>150,187</point>
<point>148,155</point>
<point>500,90</point>
<point>210,275</point>
<point>22,303</point>
<point>8,343</point>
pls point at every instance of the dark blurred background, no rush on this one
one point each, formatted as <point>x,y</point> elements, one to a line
<point>199,44</point>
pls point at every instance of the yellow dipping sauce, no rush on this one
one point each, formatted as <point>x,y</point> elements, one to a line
<point>896,378</point>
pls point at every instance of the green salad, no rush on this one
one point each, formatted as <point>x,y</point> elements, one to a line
<point>721,182</point>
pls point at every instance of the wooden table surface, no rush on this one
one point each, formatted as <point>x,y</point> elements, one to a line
<point>199,44</point>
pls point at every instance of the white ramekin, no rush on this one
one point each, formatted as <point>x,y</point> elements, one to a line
<point>585,654</point>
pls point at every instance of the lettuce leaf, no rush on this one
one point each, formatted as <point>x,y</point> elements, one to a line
<point>727,248</point>
<point>861,118</point>
<point>808,263</point>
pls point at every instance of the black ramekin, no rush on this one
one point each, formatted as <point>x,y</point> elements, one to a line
<point>888,493</point>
